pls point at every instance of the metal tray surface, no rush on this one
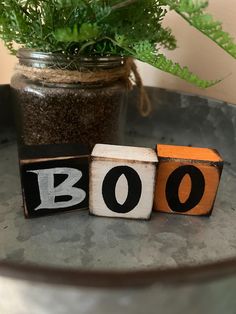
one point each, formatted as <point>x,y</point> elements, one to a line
<point>77,240</point>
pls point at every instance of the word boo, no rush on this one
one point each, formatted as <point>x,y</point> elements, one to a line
<point>119,181</point>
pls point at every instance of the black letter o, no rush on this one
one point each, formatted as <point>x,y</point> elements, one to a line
<point>134,189</point>
<point>173,184</point>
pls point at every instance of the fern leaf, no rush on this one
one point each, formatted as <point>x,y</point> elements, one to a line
<point>166,39</point>
<point>86,32</point>
<point>146,53</point>
<point>193,12</point>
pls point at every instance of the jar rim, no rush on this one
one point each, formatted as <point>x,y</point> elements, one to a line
<point>37,59</point>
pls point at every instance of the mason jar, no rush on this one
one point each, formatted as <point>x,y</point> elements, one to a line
<point>61,99</point>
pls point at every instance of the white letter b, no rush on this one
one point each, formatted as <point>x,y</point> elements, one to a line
<point>48,191</point>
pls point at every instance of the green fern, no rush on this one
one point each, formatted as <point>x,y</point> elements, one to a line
<point>108,27</point>
<point>145,53</point>
<point>85,33</point>
<point>192,12</point>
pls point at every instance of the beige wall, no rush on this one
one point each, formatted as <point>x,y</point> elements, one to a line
<point>6,65</point>
<point>203,57</point>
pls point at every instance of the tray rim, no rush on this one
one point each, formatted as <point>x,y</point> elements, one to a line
<point>119,279</point>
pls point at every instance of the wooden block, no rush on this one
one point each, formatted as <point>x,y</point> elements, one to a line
<point>187,180</point>
<point>54,178</point>
<point>122,181</point>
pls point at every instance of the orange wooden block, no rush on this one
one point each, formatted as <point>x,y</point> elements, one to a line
<point>187,180</point>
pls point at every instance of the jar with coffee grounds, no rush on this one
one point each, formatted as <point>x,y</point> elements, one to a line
<point>61,99</point>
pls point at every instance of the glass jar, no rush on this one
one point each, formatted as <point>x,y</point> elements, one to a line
<point>66,111</point>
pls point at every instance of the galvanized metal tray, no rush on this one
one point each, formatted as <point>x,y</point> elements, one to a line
<point>82,251</point>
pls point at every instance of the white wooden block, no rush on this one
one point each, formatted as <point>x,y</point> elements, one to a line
<point>122,181</point>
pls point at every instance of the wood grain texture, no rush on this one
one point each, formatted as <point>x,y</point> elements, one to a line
<point>187,180</point>
<point>122,187</point>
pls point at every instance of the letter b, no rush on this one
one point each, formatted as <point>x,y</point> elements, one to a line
<point>48,192</point>
<point>54,178</point>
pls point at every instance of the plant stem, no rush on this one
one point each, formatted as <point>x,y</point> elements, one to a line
<point>123,4</point>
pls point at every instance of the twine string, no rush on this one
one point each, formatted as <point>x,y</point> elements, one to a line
<point>61,76</point>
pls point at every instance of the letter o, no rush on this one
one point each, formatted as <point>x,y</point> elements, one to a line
<point>173,184</point>
<point>134,189</point>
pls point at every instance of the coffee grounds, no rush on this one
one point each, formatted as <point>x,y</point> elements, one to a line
<point>69,114</point>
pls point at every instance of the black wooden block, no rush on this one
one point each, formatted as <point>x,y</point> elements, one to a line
<point>54,178</point>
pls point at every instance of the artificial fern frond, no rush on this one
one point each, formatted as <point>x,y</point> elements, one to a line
<point>86,32</point>
<point>166,39</point>
<point>188,6</point>
<point>143,51</point>
<point>192,12</point>
<point>132,28</point>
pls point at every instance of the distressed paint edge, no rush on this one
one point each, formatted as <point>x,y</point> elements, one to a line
<point>32,161</point>
<point>192,161</point>
<point>119,160</point>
